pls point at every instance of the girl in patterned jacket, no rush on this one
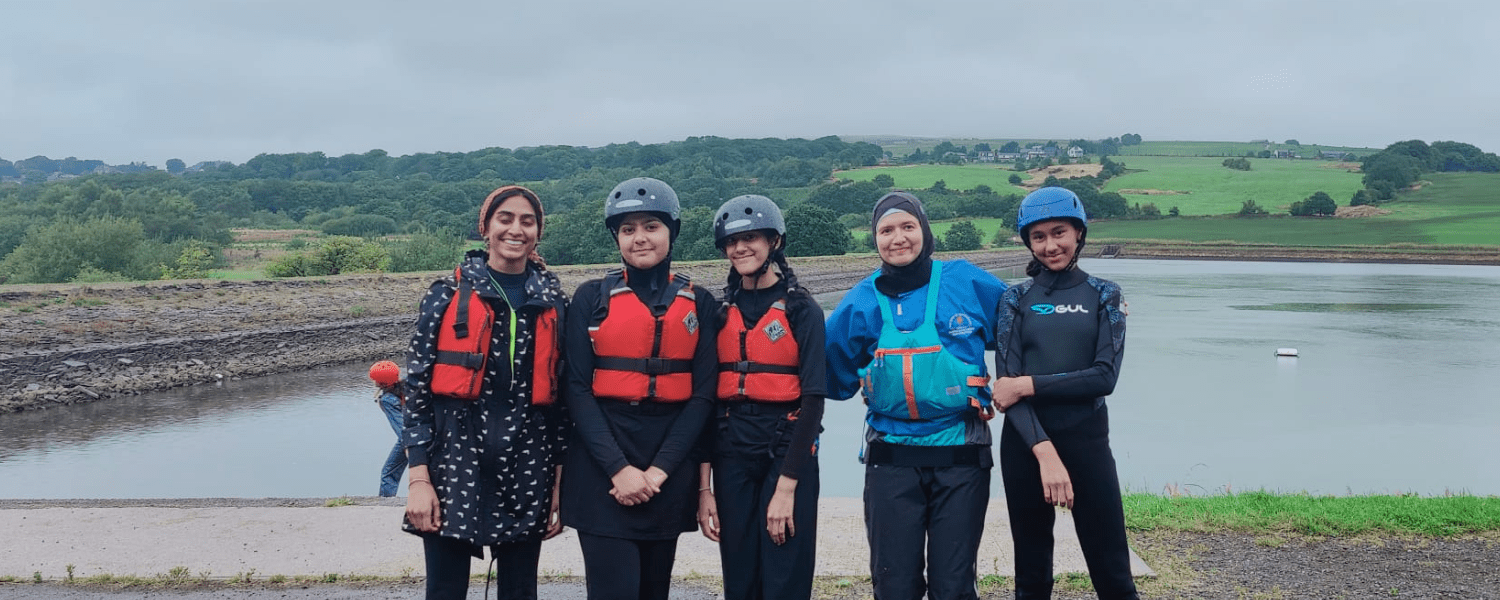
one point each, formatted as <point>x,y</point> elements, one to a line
<point>484,432</point>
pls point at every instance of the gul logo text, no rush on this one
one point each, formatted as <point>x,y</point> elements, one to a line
<point>1047,309</point>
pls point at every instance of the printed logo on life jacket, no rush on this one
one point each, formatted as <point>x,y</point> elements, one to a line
<point>691,322</point>
<point>1048,309</point>
<point>774,331</point>
<point>960,325</point>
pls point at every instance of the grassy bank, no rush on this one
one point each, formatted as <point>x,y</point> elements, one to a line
<point>1268,513</point>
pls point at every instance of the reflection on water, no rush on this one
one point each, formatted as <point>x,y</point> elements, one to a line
<point>1390,394</point>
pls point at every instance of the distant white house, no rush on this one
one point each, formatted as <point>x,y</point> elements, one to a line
<point>1075,152</point>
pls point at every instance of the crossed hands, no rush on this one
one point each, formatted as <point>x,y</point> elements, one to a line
<point>634,486</point>
<point>1007,391</point>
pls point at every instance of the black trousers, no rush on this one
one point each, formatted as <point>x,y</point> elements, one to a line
<point>448,568</point>
<point>925,519</point>
<point>1098,514</point>
<point>755,568</point>
<point>621,569</point>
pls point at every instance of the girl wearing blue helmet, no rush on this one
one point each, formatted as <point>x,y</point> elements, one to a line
<point>1060,337</point>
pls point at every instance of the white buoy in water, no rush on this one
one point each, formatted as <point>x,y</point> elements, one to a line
<point>1286,352</point>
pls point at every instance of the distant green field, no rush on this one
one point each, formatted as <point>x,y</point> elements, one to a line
<point>1221,149</point>
<point>1457,208</point>
<point>986,229</point>
<point>1213,189</point>
<point>957,177</point>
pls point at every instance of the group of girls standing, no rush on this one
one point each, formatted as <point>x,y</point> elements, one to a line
<point>643,407</point>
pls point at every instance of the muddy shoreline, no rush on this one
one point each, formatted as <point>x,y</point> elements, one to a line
<point>65,344</point>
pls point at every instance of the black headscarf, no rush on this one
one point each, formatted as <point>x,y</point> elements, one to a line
<point>893,280</point>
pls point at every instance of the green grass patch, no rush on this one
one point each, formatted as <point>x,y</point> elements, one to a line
<point>1206,187</point>
<point>1267,513</point>
<point>1450,209</point>
<point>956,177</point>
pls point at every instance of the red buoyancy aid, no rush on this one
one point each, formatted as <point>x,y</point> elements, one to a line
<point>638,355</point>
<point>764,365</point>
<point>463,347</point>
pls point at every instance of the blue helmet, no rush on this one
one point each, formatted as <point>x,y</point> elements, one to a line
<point>1050,203</point>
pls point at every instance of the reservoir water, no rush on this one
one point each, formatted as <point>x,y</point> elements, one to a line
<point>1394,392</point>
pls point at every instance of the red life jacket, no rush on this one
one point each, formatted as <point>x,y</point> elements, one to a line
<point>762,362</point>
<point>463,347</point>
<point>638,355</point>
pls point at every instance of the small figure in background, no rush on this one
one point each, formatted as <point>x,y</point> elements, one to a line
<point>391,396</point>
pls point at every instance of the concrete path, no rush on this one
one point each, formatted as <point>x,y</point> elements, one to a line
<point>223,538</point>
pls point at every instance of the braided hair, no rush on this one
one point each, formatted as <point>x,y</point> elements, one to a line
<point>734,281</point>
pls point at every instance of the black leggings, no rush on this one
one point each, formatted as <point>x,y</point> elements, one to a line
<point>448,568</point>
<point>1098,514</point>
<point>617,568</point>
<point>754,566</point>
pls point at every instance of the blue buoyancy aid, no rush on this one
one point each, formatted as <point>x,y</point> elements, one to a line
<point>914,379</point>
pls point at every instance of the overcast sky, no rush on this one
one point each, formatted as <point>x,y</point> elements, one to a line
<point>218,80</point>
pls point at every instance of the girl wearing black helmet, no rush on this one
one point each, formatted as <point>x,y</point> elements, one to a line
<point>640,386</point>
<point>759,497</point>
<point>1061,337</point>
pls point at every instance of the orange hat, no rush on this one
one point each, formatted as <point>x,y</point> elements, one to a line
<point>385,373</point>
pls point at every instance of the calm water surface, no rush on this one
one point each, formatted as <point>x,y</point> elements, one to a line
<point>1394,392</point>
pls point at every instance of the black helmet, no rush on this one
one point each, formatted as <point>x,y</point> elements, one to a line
<point>642,194</point>
<point>747,213</point>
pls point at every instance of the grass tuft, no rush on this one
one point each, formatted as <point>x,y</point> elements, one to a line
<point>1267,513</point>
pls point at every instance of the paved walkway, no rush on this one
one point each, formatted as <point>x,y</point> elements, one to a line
<point>222,538</point>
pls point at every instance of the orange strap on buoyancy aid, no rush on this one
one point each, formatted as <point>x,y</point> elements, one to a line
<point>765,359</point>
<point>463,347</point>
<point>639,355</point>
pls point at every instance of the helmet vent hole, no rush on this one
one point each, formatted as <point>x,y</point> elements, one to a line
<point>617,195</point>
<point>748,210</point>
<point>640,192</point>
<point>724,217</point>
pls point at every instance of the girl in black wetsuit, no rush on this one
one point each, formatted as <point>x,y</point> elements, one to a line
<point>1060,339</point>
<point>640,374</point>
<point>759,497</point>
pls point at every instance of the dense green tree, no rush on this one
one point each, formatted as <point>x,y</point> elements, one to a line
<point>963,235</point>
<point>1011,146</point>
<point>884,180</point>
<point>1014,179</point>
<point>1238,164</point>
<point>1249,208</point>
<point>360,226</point>
<point>1318,204</point>
<point>1361,198</point>
<point>332,256</point>
<point>175,166</point>
<point>579,237</point>
<point>426,250</point>
<point>56,252</point>
<point>812,230</point>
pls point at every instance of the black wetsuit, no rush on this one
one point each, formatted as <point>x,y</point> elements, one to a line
<point>1067,331</point>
